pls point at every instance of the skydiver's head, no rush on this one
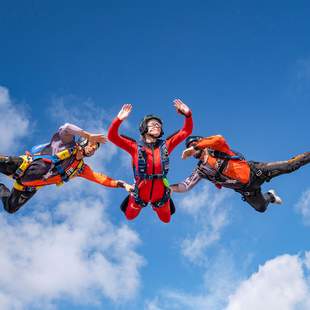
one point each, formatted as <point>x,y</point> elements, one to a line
<point>86,148</point>
<point>151,126</point>
<point>90,149</point>
<point>191,141</point>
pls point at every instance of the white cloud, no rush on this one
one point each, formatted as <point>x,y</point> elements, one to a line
<point>209,209</point>
<point>73,252</point>
<point>279,284</point>
<point>14,124</point>
<point>303,206</point>
<point>67,248</point>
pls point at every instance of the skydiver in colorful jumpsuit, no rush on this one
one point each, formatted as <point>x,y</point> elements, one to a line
<point>227,168</point>
<point>54,163</point>
<point>150,161</point>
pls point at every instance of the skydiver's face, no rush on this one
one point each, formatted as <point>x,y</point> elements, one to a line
<point>90,149</point>
<point>154,128</point>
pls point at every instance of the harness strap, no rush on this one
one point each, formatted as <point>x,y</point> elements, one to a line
<point>23,167</point>
<point>156,204</point>
<point>164,199</point>
<point>141,172</point>
<point>222,155</point>
<point>164,157</point>
<point>142,163</point>
<point>55,159</point>
<point>22,188</point>
<point>222,162</point>
<point>69,173</point>
<point>137,198</point>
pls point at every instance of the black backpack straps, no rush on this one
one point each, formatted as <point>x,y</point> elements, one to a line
<point>222,155</point>
<point>239,155</point>
<point>221,165</point>
<point>142,164</point>
<point>141,170</point>
<point>164,157</point>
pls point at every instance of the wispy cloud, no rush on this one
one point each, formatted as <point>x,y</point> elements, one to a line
<point>303,206</point>
<point>83,112</point>
<point>72,251</point>
<point>209,209</point>
<point>220,277</point>
<point>66,247</point>
<point>14,124</point>
<point>279,284</point>
<point>303,72</point>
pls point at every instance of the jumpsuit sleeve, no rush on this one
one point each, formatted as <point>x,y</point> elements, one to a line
<point>99,178</point>
<point>120,141</point>
<point>217,143</point>
<point>188,183</point>
<point>181,135</point>
<point>68,131</point>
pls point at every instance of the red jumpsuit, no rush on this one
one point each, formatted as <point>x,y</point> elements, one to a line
<point>149,191</point>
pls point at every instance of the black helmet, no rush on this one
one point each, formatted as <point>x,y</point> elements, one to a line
<point>192,139</point>
<point>143,124</point>
<point>83,142</point>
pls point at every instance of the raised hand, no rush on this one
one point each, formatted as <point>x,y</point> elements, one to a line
<point>188,152</point>
<point>124,112</point>
<point>97,138</point>
<point>181,107</point>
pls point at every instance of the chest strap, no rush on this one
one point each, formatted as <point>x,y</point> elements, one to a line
<point>156,204</point>
<point>55,159</point>
<point>141,171</point>
<point>222,160</point>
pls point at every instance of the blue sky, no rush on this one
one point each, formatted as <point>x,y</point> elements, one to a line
<point>243,68</point>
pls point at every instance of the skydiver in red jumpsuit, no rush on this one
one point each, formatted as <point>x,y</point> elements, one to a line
<point>150,161</point>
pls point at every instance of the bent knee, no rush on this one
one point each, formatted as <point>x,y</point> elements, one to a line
<point>131,217</point>
<point>165,220</point>
<point>261,208</point>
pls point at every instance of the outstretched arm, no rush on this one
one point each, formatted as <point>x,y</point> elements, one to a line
<point>187,184</point>
<point>68,131</point>
<point>103,179</point>
<point>113,134</point>
<point>187,129</point>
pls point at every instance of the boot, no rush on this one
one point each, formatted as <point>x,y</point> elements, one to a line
<point>274,197</point>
